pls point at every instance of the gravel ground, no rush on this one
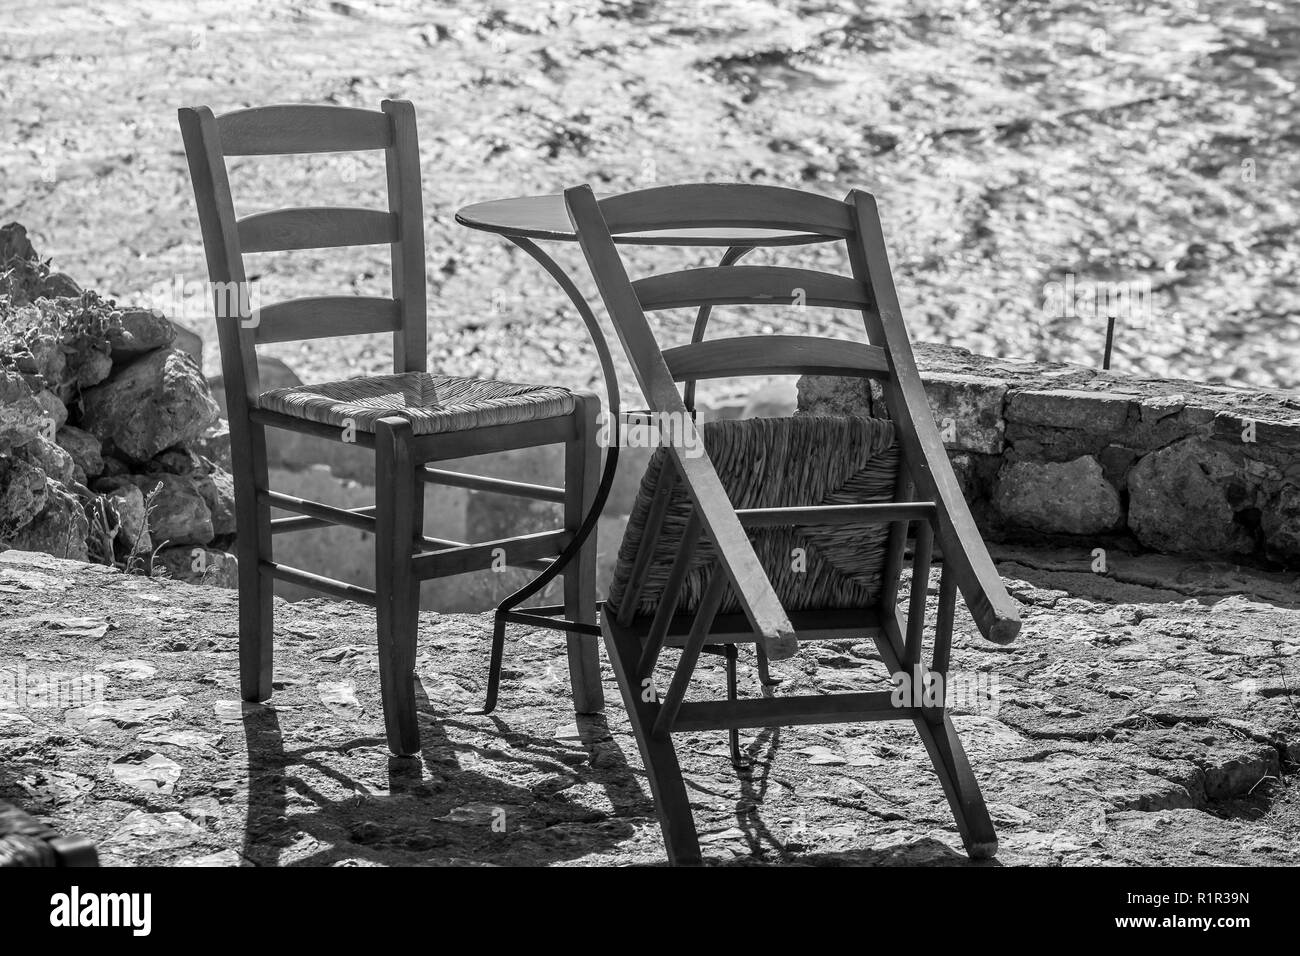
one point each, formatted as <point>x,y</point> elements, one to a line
<point>1133,722</point>
<point>1011,144</point>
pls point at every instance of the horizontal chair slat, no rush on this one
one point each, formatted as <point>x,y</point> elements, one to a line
<point>338,589</point>
<point>501,486</point>
<point>277,130</point>
<point>517,552</point>
<point>775,355</point>
<point>727,206</point>
<point>315,227</point>
<point>788,711</point>
<point>877,513</point>
<point>317,317</point>
<point>750,285</point>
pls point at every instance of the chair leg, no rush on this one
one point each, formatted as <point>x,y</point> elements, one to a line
<point>667,788</point>
<point>397,592</point>
<point>494,664</point>
<point>581,477</point>
<point>959,786</point>
<point>252,546</point>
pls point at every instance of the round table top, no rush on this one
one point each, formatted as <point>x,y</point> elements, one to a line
<point>545,217</point>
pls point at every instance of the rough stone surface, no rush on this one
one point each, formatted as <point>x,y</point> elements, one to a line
<point>218,490</point>
<point>133,527</point>
<point>997,413</point>
<point>51,459</point>
<point>59,528</point>
<point>1068,498</point>
<point>1178,502</point>
<point>157,401</point>
<point>23,494</point>
<point>21,414</point>
<point>1136,720</point>
<point>140,331</point>
<point>968,411</point>
<point>1281,522</point>
<point>84,449</point>
<point>179,514</point>
<point>195,565</point>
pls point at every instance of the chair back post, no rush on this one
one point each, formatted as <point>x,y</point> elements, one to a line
<point>280,130</point>
<point>735,552</point>
<point>224,258</point>
<point>405,201</point>
<point>994,611</point>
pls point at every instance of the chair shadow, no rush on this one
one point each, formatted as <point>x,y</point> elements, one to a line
<point>437,810</point>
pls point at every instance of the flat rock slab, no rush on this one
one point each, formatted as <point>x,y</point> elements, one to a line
<point>1141,718</point>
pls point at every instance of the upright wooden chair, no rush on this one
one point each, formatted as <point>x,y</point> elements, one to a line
<point>845,490</point>
<point>408,419</point>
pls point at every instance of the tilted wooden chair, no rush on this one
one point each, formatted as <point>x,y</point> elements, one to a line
<point>408,419</point>
<point>844,489</point>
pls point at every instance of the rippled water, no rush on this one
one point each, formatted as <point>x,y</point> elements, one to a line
<point>1013,146</point>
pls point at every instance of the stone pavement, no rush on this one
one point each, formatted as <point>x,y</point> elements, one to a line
<point>1145,717</point>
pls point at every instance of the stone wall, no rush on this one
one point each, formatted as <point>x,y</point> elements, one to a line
<point>1068,451</point>
<point>111,448</point>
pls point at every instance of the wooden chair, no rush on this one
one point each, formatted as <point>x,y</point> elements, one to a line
<point>408,419</point>
<point>706,561</point>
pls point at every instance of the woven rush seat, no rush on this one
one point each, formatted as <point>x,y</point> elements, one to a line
<point>778,463</point>
<point>433,404</point>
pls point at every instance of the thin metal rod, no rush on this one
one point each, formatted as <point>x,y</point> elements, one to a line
<point>920,585</point>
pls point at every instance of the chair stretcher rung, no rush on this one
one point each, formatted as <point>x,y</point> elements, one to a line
<point>787,711</point>
<point>549,621</point>
<point>307,523</point>
<point>362,518</point>
<point>879,513</point>
<point>500,486</point>
<point>339,589</point>
<point>517,552</point>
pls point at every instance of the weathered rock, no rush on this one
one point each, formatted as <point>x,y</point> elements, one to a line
<point>196,565</point>
<point>1068,498</point>
<point>59,529</point>
<point>21,413</point>
<point>139,331</point>
<point>22,497</point>
<point>218,490</point>
<point>968,411</point>
<point>1280,520</point>
<point>178,514</point>
<point>175,461</point>
<point>84,449</point>
<point>54,411</point>
<point>1179,500</point>
<point>155,402</point>
<point>14,243</point>
<point>1072,409</point>
<point>214,445</point>
<point>59,285</point>
<point>133,529</point>
<point>91,372</point>
<point>51,459</point>
<point>189,342</point>
<point>832,395</point>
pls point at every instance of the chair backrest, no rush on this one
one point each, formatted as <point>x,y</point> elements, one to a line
<point>727,206</point>
<point>277,130</point>
<point>886,355</point>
